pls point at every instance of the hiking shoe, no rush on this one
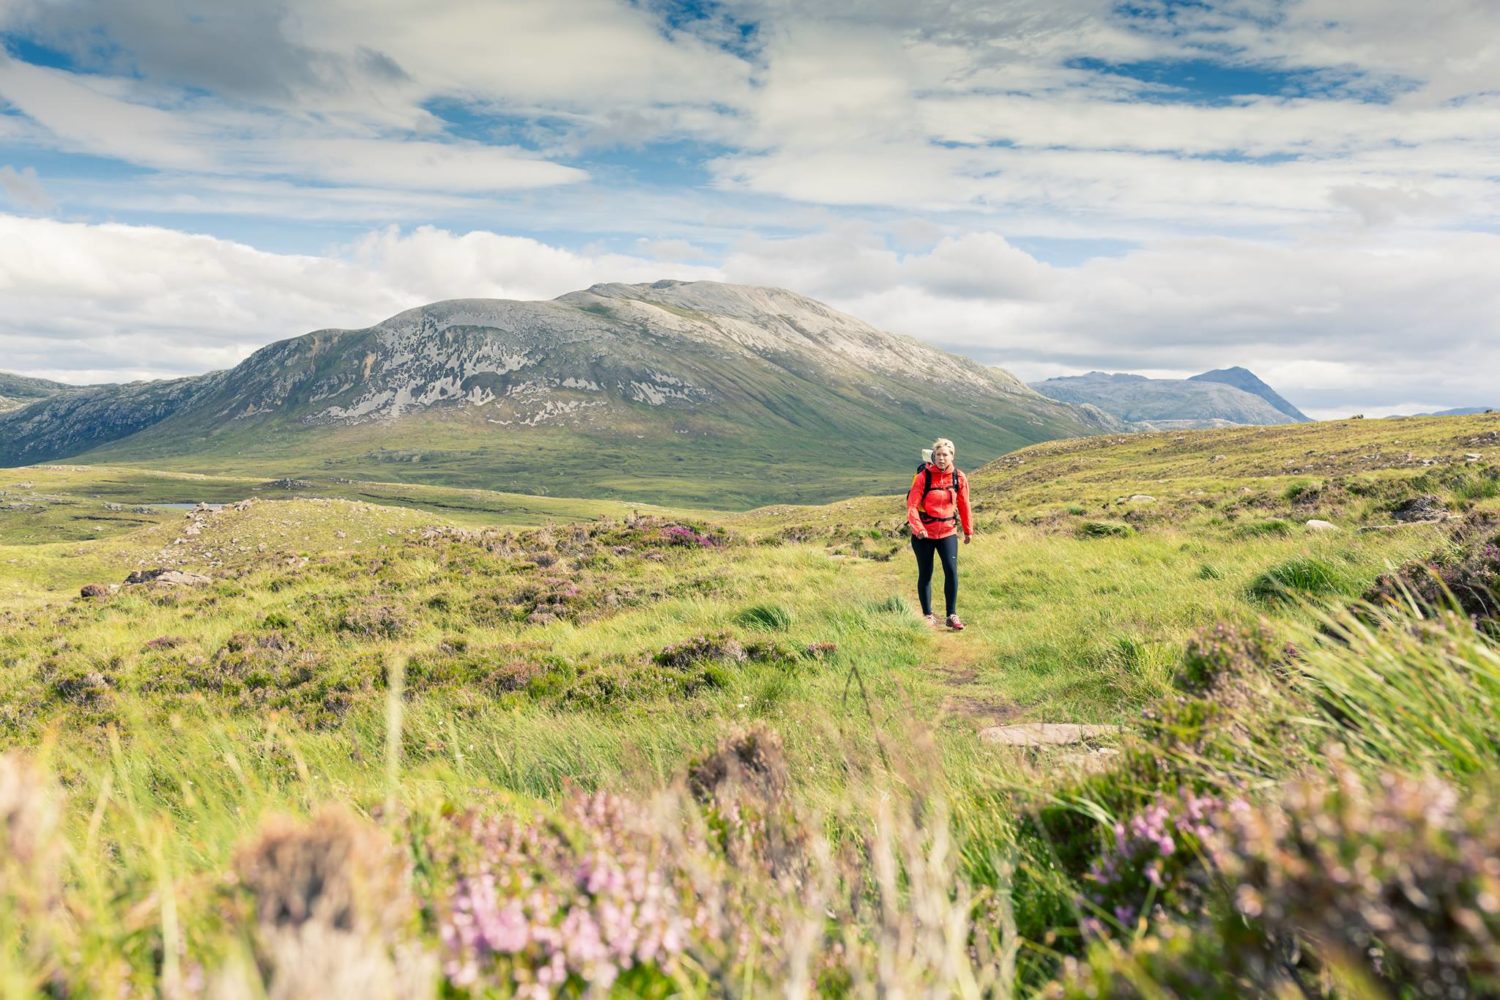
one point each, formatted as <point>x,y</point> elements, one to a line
<point>955,624</point>
<point>931,620</point>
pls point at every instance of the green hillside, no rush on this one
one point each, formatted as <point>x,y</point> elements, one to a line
<point>380,710</point>
<point>693,393</point>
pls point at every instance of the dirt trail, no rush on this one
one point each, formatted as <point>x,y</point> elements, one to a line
<point>960,661</point>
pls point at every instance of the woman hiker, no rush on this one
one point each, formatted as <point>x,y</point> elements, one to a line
<point>937,505</point>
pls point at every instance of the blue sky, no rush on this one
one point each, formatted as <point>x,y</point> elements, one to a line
<point>1292,185</point>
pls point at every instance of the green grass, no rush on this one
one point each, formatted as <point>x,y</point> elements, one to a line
<point>1303,576</point>
<point>590,654</point>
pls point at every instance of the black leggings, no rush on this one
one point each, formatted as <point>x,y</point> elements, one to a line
<point>947,551</point>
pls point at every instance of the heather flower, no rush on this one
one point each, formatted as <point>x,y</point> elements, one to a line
<point>30,856</point>
<point>681,534</point>
<point>29,814</point>
<point>1224,654</point>
<point>1402,879</point>
<point>543,903</point>
<point>742,787</point>
<point>719,646</point>
<point>1155,861</point>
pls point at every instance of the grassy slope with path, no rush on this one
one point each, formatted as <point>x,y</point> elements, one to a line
<point>534,658</point>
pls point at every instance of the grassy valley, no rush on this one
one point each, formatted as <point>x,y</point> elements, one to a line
<point>404,739</point>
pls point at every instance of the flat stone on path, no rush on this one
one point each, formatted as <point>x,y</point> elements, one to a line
<point>1036,734</point>
<point>1091,761</point>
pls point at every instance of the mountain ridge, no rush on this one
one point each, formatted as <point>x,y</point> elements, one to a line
<point>463,391</point>
<point>1225,397</point>
<point>1246,380</point>
<point>17,391</point>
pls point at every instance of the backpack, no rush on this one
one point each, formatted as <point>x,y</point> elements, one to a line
<point>926,469</point>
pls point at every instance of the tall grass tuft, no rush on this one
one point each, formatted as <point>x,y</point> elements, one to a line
<point>769,617</point>
<point>1403,690</point>
<point>1303,576</point>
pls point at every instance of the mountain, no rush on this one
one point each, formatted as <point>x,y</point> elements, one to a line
<point>1461,411</point>
<point>689,392</point>
<point>1214,399</point>
<point>17,391</point>
<point>1244,378</point>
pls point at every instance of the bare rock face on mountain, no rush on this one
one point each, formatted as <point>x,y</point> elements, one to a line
<point>17,391</point>
<point>696,384</point>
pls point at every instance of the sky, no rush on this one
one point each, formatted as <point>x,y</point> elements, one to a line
<point>1308,188</point>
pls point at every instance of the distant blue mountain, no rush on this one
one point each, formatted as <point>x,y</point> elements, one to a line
<point>1245,379</point>
<point>1227,397</point>
<point>1461,411</point>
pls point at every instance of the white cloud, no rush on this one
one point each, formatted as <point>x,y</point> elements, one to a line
<point>927,106</point>
<point>886,155</point>
<point>86,299</point>
<point>432,166</point>
<point>106,297</point>
<point>25,189</point>
<point>1349,320</point>
<point>86,117</point>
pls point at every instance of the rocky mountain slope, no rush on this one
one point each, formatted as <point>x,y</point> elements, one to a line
<point>17,391</point>
<point>1244,378</point>
<point>685,391</point>
<point>1222,398</point>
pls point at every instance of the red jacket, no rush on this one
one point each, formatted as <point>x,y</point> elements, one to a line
<point>949,495</point>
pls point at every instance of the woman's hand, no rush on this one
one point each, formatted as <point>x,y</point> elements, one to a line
<point>969,537</point>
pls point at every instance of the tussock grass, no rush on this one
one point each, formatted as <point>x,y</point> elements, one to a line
<point>1303,576</point>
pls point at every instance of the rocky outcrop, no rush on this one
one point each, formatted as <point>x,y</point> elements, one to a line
<point>17,391</point>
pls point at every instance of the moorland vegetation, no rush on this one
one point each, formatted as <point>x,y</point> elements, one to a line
<point>352,738</point>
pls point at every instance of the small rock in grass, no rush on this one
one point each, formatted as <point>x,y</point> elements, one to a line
<point>94,590</point>
<point>1091,761</point>
<point>1035,734</point>
<point>1317,525</point>
<point>168,578</point>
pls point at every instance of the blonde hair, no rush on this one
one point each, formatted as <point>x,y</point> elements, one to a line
<point>939,443</point>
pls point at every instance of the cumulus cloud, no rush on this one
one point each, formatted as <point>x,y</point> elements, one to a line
<point>106,297</point>
<point>1340,322</point>
<point>86,300</point>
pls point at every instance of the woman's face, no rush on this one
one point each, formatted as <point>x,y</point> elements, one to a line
<point>942,457</point>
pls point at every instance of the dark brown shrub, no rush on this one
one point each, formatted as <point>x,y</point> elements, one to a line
<point>720,646</point>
